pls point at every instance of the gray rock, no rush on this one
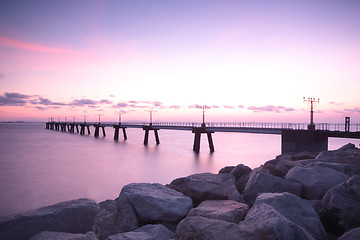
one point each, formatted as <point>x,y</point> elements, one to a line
<point>207,186</point>
<point>240,170</point>
<point>46,235</point>
<point>348,154</point>
<point>265,219</point>
<point>147,232</point>
<point>225,210</point>
<point>342,205</point>
<point>114,217</point>
<point>241,182</point>
<point>76,216</point>
<point>213,229</point>
<point>316,180</point>
<point>279,167</point>
<point>155,202</point>
<point>261,181</point>
<point>351,235</point>
<point>296,210</point>
<point>226,169</point>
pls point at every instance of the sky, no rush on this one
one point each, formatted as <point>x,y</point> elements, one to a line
<point>247,60</point>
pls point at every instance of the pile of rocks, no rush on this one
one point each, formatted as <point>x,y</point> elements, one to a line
<point>295,196</point>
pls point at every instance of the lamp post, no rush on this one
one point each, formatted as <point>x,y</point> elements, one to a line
<point>203,108</point>
<point>120,112</point>
<point>312,102</point>
<point>151,112</point>
<point>99,114</point>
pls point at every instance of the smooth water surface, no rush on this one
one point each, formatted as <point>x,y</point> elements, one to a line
<point>39,167</point>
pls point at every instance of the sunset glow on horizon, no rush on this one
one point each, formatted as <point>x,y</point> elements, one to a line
<point>248,60</point>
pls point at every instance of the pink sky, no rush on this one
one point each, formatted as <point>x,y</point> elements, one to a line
<point>248,60</point>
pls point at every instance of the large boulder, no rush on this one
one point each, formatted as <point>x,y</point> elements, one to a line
<point>46,235</point>
<point>76,216</point>
<point>207,186</point>
<point>213,229</point>
<point>342,206</point>
<point>351,235</point>
<point>114,217</point>
<point>347,154</point>
<point>147,232</point>
<point>296,210</point>
<point>155,202</point>
<point>225,210</point>
<point>240,170</point>
<point>316,180</point>
<point>261,181</point>
<point>268,223</point>
<point>280,167</point>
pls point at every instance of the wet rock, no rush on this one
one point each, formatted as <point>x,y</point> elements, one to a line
<point>225,210</point>
<point>155,202</point>
<point>342,206</point>
<point>114,217</point>
<point>279,168</point>
<point>351,235</point>
<point>76,216</point>
<point>296,210</point>
<point>147,232</point>
<point>207,186</point>
<point>241,182</point>
<point>316,180</point>
<point>46,235</point>
<point>261,181</point>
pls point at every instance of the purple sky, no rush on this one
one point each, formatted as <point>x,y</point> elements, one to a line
<point>249,60</point>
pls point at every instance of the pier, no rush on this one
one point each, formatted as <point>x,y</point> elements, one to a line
<point>295,137</point>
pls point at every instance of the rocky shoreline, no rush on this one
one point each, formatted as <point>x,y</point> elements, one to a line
<point>294,196</point>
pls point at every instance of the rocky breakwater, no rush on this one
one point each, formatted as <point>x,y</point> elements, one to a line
<point>294,196</point>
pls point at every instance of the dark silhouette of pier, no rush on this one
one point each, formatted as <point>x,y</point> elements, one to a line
<point>295,137</point>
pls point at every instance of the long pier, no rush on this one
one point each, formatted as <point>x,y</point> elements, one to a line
<point>294,136</point>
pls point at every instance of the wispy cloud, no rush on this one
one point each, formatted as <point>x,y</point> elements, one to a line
<point>355,110</point>
<point>271,108</point>
<point>13,99</point>
<point>10,42</point>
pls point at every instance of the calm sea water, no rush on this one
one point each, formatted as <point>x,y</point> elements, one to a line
<point>39,167</point>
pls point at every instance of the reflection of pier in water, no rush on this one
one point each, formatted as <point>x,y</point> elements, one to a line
<point>294,136</point>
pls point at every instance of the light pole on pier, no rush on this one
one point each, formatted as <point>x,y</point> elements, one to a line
<point>312,102</point>
<point>85,118</point>
<point>120,113</point>
<point>151,112</point>
<point>203,108</point>
<point>99,114</point>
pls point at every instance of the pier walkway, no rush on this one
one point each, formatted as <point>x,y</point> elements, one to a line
<point>294,136</point>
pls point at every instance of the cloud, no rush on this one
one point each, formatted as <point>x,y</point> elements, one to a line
<point>83,102</point>
<point>228,106</point>
<point>174,107</point>
<point>270,108</point>
<point>13,99</point>
<point>355,110</point>
<point>240,106</point>
<point>121,105</point>
<point>105,101</point>
<point>9,42</point>
<point>45,101</point>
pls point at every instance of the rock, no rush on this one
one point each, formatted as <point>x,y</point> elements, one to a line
<point>114,217</point>
<point>213,229</point>
<point>340,167</point>
<point>155,202</point>
<point>225,210</point>
<point>240,170</point>
<point>207,186</point>
<point>261,181</point>
<point>46,235</point>
<point>347,154</point>
<point>76,216</point>
<point>342,206</point>
<point>303,155</point>
<point>351,235</point>
<point>266,221</point>
<point>296,210</point>
<point>226,169</point>
<point>316,180</point>
<point>279,168</point>
<point>241,182</point>
<point>346,147</point>
<point>147,232</point>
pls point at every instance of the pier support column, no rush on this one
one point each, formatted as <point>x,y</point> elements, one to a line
<point>198,131</point>
<point>303,140</point>
<point>103,130</point>
<point>96,134</point>
<point>146,137</point>
<point>116,132</point>
<point>77,128</point>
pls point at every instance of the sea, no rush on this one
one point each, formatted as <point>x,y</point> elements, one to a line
<point>40,167</point>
